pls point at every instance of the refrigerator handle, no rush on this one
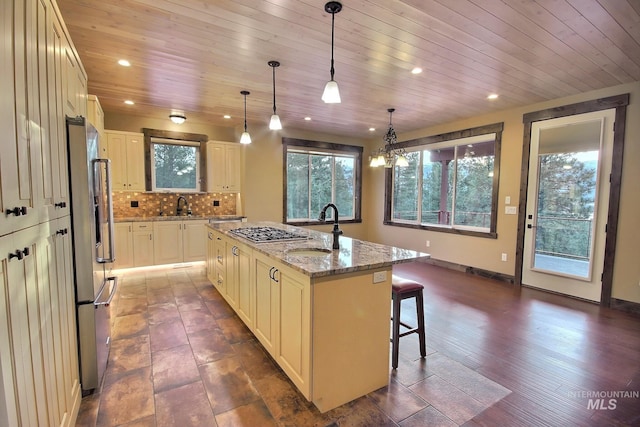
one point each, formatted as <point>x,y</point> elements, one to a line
<point>112,253</point>
<point>106,303</point>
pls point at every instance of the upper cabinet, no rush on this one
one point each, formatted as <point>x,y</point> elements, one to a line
<point>95,115</point>
<point>126,151</point>
<point>223,167</point>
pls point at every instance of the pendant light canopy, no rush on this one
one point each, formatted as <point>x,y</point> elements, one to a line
<point>245,138</point>
<point>389,154</point>
<point>331,94</point>
<point>274,123</point>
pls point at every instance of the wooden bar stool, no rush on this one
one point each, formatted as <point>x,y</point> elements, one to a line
<point>402,289</point>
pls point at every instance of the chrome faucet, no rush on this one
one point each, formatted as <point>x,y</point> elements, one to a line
<point>179,208</point>
<point>336,230</point>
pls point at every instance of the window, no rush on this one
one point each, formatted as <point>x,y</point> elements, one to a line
<point>450,184</point>
<point>174,161</point>
<point>175,165</point>
<point>317,173</point>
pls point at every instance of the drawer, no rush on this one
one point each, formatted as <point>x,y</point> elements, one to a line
<point>142,226</point>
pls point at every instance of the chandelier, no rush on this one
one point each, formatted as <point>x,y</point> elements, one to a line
<point>389,155</point>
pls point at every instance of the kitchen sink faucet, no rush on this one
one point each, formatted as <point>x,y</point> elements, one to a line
<point>336,230</point>
<point>179,208</point>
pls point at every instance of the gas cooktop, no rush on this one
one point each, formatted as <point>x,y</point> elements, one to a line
<point>267,234</point>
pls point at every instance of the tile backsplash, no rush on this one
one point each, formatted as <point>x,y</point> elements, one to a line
<point>150,204</point>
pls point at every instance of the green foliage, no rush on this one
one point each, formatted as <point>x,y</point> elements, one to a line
<point>313,180</point>
<point>175,166</point>
<point>566,196</point>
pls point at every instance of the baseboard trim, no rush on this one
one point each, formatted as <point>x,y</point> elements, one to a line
<point>626,306</point>
<point>471,270</point>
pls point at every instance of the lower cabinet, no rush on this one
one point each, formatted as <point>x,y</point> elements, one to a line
<point>123,245</point>
<point>179,241</point>
<point>329,334</point>
<point>38,347</point>
<point>142,242</point>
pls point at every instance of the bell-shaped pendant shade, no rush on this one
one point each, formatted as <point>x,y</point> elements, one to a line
<point>245,138</point>
<point>274,123</point>
<point>331,94</point>
<point>402,162</point>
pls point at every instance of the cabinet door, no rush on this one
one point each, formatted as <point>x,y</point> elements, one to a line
<point>118,155</point>
<point>293,318</point>
<point>142,240</point>
<point>194,240</point>
<point>211,257</point>
<point>167,242</point>
<point>215,168</point>
<point>233,155</point>
<point>231,276</point>
<point>123,245</point>
<point>242,275</point>
<point>135,162</point>
<point>220,265</point>
<point>267,294</point>
<point>15,161</point>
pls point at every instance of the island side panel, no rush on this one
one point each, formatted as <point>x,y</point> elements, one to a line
<point>351,330</point>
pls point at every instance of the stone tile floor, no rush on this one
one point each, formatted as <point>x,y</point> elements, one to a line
<point>181,357</point>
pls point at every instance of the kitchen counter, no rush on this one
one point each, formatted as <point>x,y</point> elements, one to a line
<point>214,218</point>
<point>322,314</point>
<point>354,255</point>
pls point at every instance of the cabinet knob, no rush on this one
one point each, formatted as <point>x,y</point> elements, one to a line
<point>17,211</point>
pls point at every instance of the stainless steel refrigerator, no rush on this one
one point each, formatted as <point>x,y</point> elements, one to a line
<point>93,249</point>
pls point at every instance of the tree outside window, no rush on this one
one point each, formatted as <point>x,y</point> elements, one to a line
<point>318,173</point>
<point>449,183</point>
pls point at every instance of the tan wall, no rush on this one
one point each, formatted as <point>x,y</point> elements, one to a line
<point>485,253</point>
<point>262,192</point>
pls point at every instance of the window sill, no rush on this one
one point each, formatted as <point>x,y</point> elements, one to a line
<point>462,232</point>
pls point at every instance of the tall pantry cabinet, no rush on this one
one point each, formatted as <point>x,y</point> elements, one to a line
<point>42,80</point>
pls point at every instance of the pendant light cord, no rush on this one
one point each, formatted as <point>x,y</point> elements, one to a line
<point>333,20</point>
<point>245,112</point>
<point>274,89</point>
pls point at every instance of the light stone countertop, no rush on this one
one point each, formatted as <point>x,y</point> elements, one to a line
<point>354,255</point>
<point>179,218</point>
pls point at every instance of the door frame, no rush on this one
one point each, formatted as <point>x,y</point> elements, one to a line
<point>619,102</point>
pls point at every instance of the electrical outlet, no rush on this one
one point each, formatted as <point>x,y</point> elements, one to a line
<point>134,203</point>
<point>216,203</point>
<point>504,256</point>
<point>379,276</point>
<point>428,243</point>
<point>507,200</point>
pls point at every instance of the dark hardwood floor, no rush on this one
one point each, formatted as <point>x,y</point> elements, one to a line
<point>554,353</point>
<point>496,356</point>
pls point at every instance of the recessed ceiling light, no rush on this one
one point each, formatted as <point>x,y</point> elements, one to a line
<point>124,63</point>
<point>372,129</point>
<point>492,96</point>
<point>129,102</point>
<point>416,70</point>
<point>226,116</point>
<point>307,118</point>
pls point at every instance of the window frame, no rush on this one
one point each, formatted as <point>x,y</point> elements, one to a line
<point>178,138</point>
<point>178,143</point>
<point>329,148</point>
<point>425,143</point>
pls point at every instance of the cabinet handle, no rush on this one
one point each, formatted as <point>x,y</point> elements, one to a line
<point>60,205</point>
<point>19,253</point>
<point>62,232</point>
<point>17,211</point>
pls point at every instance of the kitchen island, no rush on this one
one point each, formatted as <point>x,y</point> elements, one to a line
<point>321,313</point>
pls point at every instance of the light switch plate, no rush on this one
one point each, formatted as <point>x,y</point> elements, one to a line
<point>511,210</point>
<point>379,276</point>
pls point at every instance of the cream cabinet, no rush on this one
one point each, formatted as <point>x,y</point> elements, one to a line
<point>179,241</point>
<point>95,115</point>
<point>42,80</point>
<point>142,243</point>
<point>211,257</point>
<point>37,327</point>
<point>126,151</point>
<point>239,274</point>
<point>123,237</point>
<point>223,167</point>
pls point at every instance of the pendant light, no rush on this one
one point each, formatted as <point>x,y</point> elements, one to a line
<point>245,138</point>
<point>389,154</point>
<point>331,94</point>
<point>274,123</point>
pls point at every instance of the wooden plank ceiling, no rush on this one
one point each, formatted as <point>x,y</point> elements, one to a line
<point>197,55</point>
